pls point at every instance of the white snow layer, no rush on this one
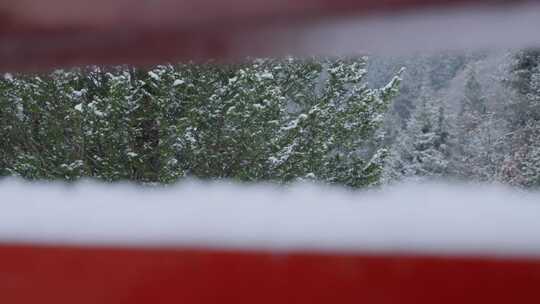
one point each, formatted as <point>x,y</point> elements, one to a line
<point>409,218</point>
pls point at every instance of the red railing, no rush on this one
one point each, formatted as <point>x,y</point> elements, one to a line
<point>63,275</point>
<point>55,33</point>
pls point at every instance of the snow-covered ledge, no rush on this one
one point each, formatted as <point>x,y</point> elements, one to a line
<point>426,218</point>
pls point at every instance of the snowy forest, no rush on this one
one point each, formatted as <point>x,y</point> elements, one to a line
<point>357,122</point>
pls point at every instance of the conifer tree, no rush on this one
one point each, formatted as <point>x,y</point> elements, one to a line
<point>423,148</point>
<point>523,115</point>
<point>478,153</point>
<point>275,120</point>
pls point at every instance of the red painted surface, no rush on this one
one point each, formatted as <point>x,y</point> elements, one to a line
<point>38,35</point>
<point>62,275</point>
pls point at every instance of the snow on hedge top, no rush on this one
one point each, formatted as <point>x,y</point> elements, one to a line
<point>411,218</point>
